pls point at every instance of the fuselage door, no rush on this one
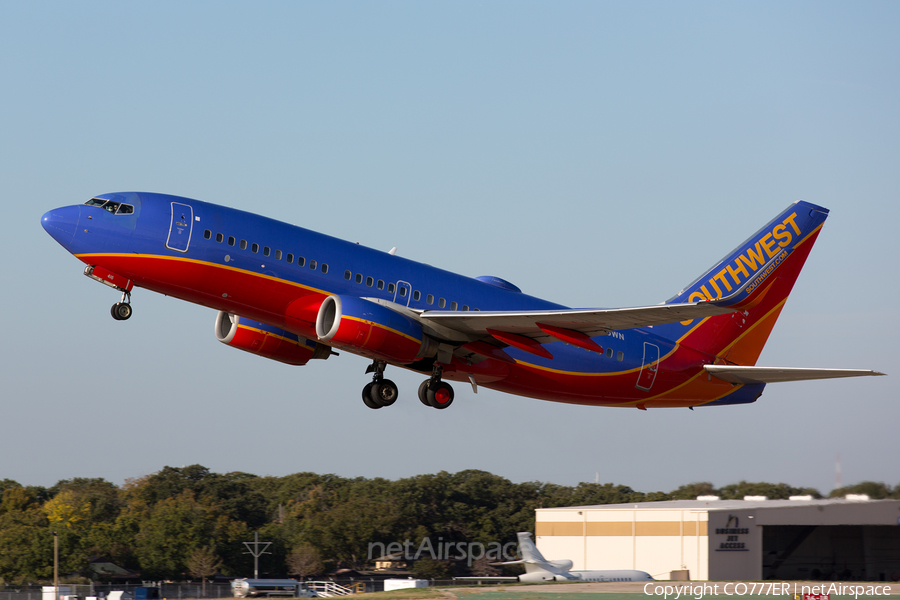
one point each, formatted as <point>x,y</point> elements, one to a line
<point>403,293</point>
<point>180,227</point>
<point>649,367</point>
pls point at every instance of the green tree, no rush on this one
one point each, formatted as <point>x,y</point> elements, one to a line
<point>175,527</point>
<point>690,491</point>
<point>26,546</point>
<point>875,490</point>
<point>773,491</point>
<point>429,568</point>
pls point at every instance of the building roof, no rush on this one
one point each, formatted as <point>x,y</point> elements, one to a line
<point>714,505</point>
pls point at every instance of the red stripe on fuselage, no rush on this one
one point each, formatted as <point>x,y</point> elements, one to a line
<point>256,296</point>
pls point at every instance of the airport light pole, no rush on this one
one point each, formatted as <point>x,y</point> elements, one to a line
<point>55,566</point>
<point>256,552</point>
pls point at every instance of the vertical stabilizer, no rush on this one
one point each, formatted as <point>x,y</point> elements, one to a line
<point>756,277</point>
<point>531,556</point>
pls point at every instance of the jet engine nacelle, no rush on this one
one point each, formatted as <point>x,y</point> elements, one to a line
<point>563,564</point>
<point>370,329</point>
<point>267,341</point>
<point>537,577</point>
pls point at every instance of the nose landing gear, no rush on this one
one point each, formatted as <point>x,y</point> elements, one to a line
<point>121,311</point>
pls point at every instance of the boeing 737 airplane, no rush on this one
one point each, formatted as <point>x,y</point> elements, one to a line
<point>292,295</point>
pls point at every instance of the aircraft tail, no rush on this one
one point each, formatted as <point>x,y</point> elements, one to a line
<point>529,552</point>
<point>534,560</point>
<point>755,278</point>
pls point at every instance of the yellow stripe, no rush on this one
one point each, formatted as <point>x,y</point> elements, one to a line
<point>202,262</point>
<point>798,244</point>
<point>286,339</point>
<point>693,329</point>
<point>620,528</point>
<point>379,325</point>
<point>582,374</point>
<point>752,327</point>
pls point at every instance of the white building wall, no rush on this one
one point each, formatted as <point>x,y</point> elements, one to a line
<point>657,542</point>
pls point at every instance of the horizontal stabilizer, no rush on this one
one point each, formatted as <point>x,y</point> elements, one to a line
<point>740,374</point>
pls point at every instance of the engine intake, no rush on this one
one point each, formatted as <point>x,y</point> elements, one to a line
<point>267,341</point>
<point>370,329</point>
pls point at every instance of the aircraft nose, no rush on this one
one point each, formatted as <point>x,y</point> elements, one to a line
<point>61,224</point>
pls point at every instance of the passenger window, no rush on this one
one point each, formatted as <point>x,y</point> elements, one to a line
<point>301,261</point>
<point>620,356</point>
<point>609,352</point>
<point>370,281</point>
<point>402,292</point>
<point>312,265</point>
<point>266,251</point>
<point>453,306</point>
<point>429,299</point>
<point>417,295</point>
<point>219,237</point>
<point>243,244</point>
<point>390,288</point>
<point>324,268</point>
<point>359,278</point>
<point>348,275</point>
<point>254,247</point>
<point>278,255</point>
<point>125,209</point>
<point>290,257</point>
<point>231,240</point>
<point>207,234</point>
<point>442,303</point>
<point>380,285</point>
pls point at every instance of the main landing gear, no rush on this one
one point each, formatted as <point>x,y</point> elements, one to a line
<point>434,392</point>
<point>121,311</point>
<point>383,392</point>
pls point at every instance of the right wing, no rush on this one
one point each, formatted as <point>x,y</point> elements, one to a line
<point>588,321</point>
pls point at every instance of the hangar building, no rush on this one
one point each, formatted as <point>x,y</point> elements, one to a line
<point>850,538</point>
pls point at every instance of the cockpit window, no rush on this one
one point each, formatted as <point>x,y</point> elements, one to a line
<point>115,208</point>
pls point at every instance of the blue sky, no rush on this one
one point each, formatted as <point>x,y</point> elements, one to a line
<point>595,154</point>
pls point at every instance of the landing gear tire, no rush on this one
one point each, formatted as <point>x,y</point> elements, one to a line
<point>121,311</point>
<point>439,394</point>
<point>385,392</point>
<point>368,398</point>
<point>423,392</point>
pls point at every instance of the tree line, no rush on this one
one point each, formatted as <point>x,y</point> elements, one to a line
<point>184,522</point>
